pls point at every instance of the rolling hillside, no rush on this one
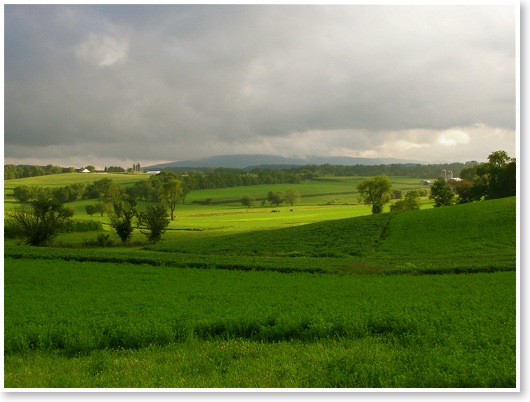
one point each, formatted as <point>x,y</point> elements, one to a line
<point>481,235</point>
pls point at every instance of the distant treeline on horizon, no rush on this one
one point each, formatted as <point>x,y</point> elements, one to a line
<point>270,173</point>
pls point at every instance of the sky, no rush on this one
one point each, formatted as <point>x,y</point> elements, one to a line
<point>116,85</point>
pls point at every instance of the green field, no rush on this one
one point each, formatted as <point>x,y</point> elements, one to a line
<point>325,295</point>
<point>140,326</point>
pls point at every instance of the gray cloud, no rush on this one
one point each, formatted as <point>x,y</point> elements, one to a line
<point>164,83</point>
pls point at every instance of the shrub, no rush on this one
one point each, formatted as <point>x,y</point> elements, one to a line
<point>85,225</point>
<point>102,240</point>
<point>410,203</point>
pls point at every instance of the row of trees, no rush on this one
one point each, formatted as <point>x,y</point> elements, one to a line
<point>21,171</point>
<point>290,196</point>
<point>46,217</point>
<point>295,174</point>
<point>40,228</point>
<point>71,193</point>
<point>209,178</point>
<point>496,178</point>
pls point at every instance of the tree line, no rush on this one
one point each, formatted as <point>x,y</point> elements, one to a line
<point>210,178</point>
<point>496,178</point>
<point>23,171</point>
<point>40,225</point>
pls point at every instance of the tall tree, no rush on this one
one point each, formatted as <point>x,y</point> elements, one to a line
<point>441,193</point>
<point>496,178</point>
<point>171,194</point>
<point>275,198</point>
<point>375,191</point>
<point>121,218</point>
<point>501,174</point>
<point>291,196</point>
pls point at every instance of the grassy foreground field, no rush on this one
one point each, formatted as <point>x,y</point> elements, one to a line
<point>123,325</point>
<point>324,296</point>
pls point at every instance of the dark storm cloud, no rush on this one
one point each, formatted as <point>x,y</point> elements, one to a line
<point>174,82</point>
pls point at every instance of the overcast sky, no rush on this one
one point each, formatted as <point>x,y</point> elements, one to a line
<point>115,85</point>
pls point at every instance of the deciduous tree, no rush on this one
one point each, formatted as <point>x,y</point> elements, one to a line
<point>23,194</point>
<point>121,218</point>
<point>90,209</point>
<point>155,219</point>
<point>171,193</point>
<point>275,198</point>
<point>247,201</point>
<point>375,191</point>
<point>441,193</point>
<point>291,196</point>
<point>409,203</point>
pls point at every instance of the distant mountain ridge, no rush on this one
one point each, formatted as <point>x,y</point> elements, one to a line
<point>244,161</point>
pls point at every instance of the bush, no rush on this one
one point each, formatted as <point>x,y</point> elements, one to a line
<point>102,240</point>
<point>12,230</point>
<point>410,203</point>
<point>81,226</point>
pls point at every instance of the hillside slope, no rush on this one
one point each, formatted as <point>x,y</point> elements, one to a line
<point>477,235</point>
<point>357,237</point>
<point>482,225</point>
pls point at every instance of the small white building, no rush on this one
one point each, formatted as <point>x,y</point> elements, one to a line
<point>83,171</point>
<point>153,172</point>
